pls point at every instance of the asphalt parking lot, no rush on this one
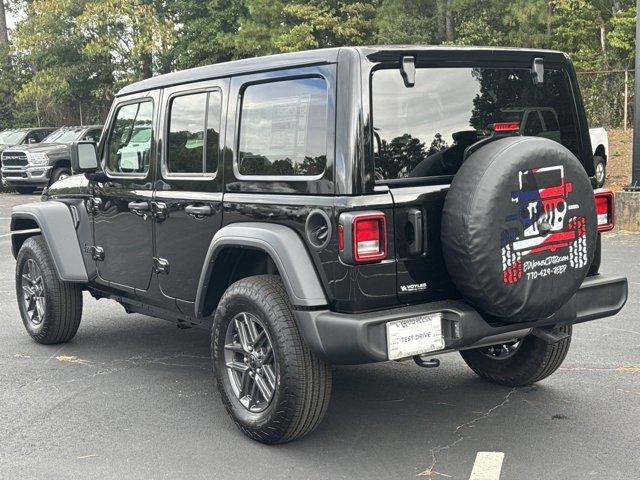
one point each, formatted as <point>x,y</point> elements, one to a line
<point>133,397</point>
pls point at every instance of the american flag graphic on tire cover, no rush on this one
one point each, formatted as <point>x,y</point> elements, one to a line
<point>543,222</point>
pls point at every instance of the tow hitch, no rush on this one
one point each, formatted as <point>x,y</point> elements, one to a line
<point>425,362</point>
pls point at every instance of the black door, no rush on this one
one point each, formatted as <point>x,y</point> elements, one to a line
<point>122,221</point>
<point>188,196</point>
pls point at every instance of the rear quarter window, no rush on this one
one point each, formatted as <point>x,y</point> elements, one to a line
<point>283,128</point>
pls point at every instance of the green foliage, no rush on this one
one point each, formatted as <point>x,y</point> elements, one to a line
<point>71,54</point>
<point>406,22</point>
<point>207,30</point>
<point>135,35</point>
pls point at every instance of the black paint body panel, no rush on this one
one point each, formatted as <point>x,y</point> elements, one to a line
<point>131,241</point>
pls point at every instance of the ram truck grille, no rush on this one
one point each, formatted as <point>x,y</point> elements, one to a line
<point>14,159</point>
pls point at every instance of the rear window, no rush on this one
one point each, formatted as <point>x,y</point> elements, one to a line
<point>423,131</point>
<point>283,128</point>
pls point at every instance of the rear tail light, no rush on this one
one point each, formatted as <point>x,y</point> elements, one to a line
<point>605,209</point>
<point>369,237</point>
<point>362,237</point>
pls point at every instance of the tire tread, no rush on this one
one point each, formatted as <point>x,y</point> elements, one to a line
<point>536,362</point>
<point>64,299</point>
<point>301,409</point>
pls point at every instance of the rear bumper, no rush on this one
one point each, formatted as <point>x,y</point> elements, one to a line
<point>342,339</point>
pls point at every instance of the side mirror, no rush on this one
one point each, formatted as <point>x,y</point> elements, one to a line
<point>84,157</point>
<point>31,140</point>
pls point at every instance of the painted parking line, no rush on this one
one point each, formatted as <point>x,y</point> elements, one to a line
<point>487,466</point>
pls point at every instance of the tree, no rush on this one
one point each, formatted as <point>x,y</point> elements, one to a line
<point>207,31</point>
<point>407,22</point>
<point>290,25</point>
<point>398,157</point>
<point>49,57</point>
<point>136,35</point>
<point>4,31</point>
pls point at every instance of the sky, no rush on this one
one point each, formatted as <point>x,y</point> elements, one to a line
<point>11,20</point>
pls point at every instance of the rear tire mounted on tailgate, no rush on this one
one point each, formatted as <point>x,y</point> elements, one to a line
<point>518,237</point>
<point>519,228</point>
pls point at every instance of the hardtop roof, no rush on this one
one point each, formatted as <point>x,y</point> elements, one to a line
<point>311,57</point>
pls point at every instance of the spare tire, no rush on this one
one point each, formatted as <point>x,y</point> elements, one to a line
<point>519,228</point>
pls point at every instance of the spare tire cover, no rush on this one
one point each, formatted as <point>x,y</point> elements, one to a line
<point>519,228</point>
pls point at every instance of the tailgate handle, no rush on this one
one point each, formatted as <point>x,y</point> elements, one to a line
<point>415,231</point>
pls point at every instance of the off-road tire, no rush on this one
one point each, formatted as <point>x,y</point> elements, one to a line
<point>533,361</point>
<point>24,190</point>
<point>597,160</point>
<point>303,385</point>
<point>63,300</point>
<point>57,173</point>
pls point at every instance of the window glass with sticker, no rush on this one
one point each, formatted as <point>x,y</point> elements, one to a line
<point>283,128</point>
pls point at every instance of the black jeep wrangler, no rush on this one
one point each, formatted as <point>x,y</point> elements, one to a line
<point>337,206</point>
<point>28,167</point>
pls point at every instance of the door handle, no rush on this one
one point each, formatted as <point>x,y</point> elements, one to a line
<point>198,211</point>
<point>415,235</point>
<point>138,207</point>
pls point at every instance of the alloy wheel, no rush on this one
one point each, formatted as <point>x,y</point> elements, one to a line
<point>33,292</point>
<point>250,362</point>
<point>600,173</point>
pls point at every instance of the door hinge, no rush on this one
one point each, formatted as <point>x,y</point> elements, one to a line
<point>160,211</point>
<point>93,205</point>
<point>160,265</point>
<point>97,253</point>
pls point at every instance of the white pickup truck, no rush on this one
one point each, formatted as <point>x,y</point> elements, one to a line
<point>600,145</point>
<point>543,122</point>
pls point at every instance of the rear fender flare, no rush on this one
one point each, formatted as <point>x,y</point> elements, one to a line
<point>58,228</point>
<point>285,248</point>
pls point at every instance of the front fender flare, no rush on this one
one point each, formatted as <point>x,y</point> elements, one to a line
<point>285,248</point>
<point>58,229</point>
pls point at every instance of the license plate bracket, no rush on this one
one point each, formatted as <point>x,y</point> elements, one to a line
<point>414,336</point>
